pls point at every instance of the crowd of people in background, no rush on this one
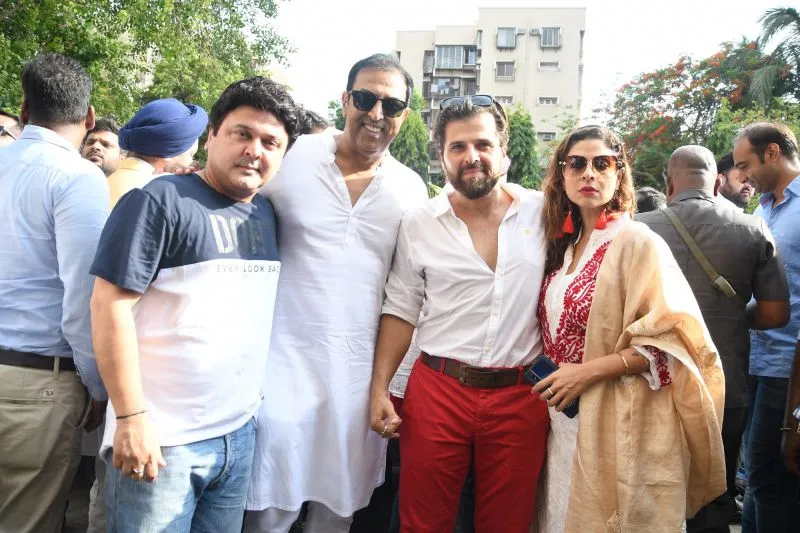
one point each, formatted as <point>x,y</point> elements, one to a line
<point>237,338</point>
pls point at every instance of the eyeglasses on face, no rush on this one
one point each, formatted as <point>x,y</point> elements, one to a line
<point>575,165</point>
<point>365,100</point>
<point>6,131</point>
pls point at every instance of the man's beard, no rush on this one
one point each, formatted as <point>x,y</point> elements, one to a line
<point>735,198</point>
<point>477,186</point>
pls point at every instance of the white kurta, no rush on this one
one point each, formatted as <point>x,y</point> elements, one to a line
<point>314,441</point>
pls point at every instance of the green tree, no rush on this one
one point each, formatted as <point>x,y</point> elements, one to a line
<point>729,121</point>
<point>410,147</point>
<point>658,111</point>
<point>524,168</point>
<point>137,50</point>
<point>335,114</point>
<point>782,66</point>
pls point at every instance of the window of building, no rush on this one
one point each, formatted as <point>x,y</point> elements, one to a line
<point>427,62</point>
<point>549,66</point>
<point>444,87</point>
<point>470,86</point>
<point>548,100</point>
<point>546,135</point>
<point>505,100</point>
<point>470,55</point>
<point>426,90</point>
<point>398,54</point>
<point>506,37</point>
<point>479,39</point>
<point>505,70</point>
<point>551,37</point>
<point>449,56</point>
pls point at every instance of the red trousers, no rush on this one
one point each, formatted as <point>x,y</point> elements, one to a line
<point>446,428</point>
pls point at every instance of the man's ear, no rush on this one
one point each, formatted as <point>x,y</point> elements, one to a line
<point>208,137</point>
<point>718,183</point>
<point>24,112</point>
<point>345,98</point>
<point>773,152</point>
<point>90,118</point>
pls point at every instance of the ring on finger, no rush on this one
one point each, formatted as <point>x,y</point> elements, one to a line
<point>136,471</point>
<point>551,392</point>
<point>385,428</point>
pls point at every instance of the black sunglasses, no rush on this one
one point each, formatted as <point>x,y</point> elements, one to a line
<point>604,164</point>
<point>365,100</point>
<point>6,131</point>
<point>482,100</point>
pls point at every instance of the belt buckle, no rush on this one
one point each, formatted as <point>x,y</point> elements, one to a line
<point>462,374</point>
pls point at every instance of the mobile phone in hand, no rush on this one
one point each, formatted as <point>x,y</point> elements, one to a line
<point>542,367</point>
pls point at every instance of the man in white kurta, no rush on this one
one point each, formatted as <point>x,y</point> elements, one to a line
<point>314,442</point>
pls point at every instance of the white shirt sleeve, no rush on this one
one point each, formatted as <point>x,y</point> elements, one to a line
<point>405,287</point>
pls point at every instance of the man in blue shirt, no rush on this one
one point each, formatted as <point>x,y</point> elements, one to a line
<point>53,205</point>
<point>766,154</point>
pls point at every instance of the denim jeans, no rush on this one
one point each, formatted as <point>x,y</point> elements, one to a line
<point>201,490</point>
<point>770,501</point>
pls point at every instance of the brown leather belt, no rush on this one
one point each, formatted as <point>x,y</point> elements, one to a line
<point>33,360</point>
<point>475,376</point>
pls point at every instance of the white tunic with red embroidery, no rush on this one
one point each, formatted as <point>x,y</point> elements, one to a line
<point>564,305</point>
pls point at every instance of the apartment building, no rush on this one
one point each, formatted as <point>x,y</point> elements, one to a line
<point>527,56</point>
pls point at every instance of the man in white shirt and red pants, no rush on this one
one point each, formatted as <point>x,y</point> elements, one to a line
<point>472,262</point>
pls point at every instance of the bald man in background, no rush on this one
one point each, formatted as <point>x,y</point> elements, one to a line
<point>742,250</point>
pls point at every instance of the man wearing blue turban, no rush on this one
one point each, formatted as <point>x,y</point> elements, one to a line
<point>160,137</point>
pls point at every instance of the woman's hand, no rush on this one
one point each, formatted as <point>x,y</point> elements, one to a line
<point>564,385</point>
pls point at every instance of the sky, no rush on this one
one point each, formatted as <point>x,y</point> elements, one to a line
<point>623,38</point>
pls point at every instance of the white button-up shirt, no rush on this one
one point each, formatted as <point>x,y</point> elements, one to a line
<point>469,313</point>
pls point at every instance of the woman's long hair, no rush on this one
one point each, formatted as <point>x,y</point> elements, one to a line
<point>557,204</point>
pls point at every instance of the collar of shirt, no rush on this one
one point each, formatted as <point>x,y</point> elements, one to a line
<point>691,194</point>
<point>441,203</point>
<point>38,133</point>
<point>793,189</point>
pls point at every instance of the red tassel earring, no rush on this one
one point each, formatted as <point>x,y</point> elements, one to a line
<point>569,226</point>
<point>602,221</point>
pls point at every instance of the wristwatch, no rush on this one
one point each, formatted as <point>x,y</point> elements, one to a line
<point>796,416</point>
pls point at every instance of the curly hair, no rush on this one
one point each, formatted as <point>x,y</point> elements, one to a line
<point>557,205</point>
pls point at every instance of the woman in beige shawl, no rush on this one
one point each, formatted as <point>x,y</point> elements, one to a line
<point>617,315</point>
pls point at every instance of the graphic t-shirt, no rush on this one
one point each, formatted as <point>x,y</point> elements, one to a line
<point>207,269</point>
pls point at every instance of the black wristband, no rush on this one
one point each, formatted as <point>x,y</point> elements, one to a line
<point>121,417</point>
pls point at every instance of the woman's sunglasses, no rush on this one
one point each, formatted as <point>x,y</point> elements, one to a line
<point>365,100</point>
<point>575,165</point>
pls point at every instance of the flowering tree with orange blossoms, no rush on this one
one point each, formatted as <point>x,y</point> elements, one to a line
<point>658,111</point>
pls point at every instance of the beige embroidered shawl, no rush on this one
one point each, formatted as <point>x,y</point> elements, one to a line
<point>645,460</point>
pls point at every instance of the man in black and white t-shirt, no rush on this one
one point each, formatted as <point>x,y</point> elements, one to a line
<point>187,270</point>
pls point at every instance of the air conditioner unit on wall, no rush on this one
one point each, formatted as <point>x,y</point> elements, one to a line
<point>521,31</point>
<point>535,31</point>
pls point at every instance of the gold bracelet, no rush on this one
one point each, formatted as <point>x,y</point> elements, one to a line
<point>625,362</point>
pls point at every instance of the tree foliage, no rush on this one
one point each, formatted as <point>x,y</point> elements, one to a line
<point>410,147</point>
<point>729,121</point>
<point>658,111</point>
<point>524,168</point>
<point>783,64</point>
<point>335,114</point>
<point>138,50</point>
